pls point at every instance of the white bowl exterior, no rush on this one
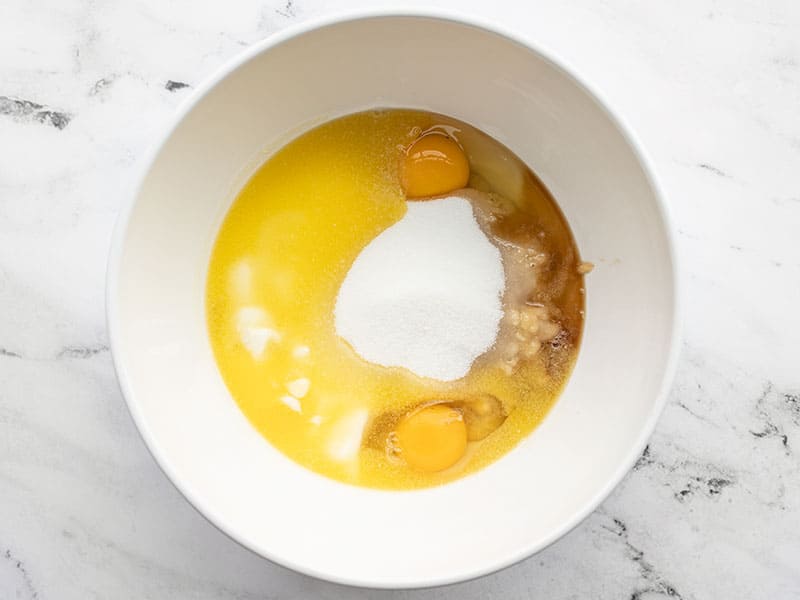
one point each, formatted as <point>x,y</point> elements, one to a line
<point>344,533</point>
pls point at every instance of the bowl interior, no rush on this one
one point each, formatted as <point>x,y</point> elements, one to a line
<point>349,534</point>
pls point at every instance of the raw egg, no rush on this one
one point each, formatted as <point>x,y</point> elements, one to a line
<point>433,438</point>
<point>482,416</point>
<point>433,165</point>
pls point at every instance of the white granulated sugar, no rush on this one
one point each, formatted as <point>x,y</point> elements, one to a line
<point>425,294</point>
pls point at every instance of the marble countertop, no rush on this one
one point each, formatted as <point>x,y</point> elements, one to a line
<point>712,509</point>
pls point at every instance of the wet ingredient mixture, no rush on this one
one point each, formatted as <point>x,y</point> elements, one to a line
<point>394,299</point>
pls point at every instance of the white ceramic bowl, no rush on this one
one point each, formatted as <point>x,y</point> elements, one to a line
<point>529,101</point>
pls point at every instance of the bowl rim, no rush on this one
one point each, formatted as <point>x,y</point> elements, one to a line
<point>275,39</point>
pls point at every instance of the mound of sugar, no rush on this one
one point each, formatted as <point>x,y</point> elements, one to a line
<point>426,293</point>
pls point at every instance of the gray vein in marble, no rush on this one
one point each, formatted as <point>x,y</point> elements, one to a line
<point>688,235</point>
<point>645,460</point>
<point>714,170</point>
<point>653,582</point>
<point>695,414</point>
<point>26,582</point>
<point>101,84</point>
<point>82,351</point>
<point>287,10</point>
<point>711,487</point>
<point>787,402</point>
<point>67,352</point>
<point>173,86</point>
<point>793,400</point>
<point>770,429</point>
<point>25,110</point>
<point>691,477</point>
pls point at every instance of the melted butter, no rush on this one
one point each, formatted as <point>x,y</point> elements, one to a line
<point>281,254</point>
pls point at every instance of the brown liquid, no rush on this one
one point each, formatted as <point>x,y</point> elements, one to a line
<point>543,278</point>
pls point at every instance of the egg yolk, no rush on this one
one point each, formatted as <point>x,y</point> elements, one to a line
<point>433,438</point>
<point>433,165</point>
